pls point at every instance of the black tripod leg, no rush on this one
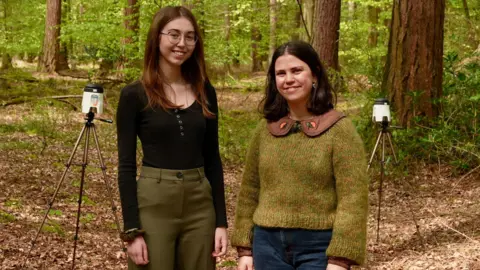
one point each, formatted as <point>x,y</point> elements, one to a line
<point>374,150</point>
<point>391,146</point>
<point>50,204</point>
<point>107,186</point>
<point>80,195</point>
<point>380,187</point>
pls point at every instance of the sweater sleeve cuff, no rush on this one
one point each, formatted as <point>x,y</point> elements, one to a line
<point>244,251</point>
<point>340,261</point>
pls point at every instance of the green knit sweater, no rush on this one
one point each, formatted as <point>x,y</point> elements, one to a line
<point>302,182</point>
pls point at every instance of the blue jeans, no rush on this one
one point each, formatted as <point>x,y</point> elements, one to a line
<point>289,249</point>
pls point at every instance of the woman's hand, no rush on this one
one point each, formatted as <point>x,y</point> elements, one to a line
<point>335,267</point>
<point>245,263</point>
<point>137,251</point>
<point>220,242</point>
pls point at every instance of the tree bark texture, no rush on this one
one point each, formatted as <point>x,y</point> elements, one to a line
<point>326,32</point>
<point>51,44</point>
<point>413,71</point>
<point>131,20</point>
<point>63,51</point>
<point>308,10</point>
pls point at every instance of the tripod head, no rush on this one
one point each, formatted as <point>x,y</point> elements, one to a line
<point>90,116</point>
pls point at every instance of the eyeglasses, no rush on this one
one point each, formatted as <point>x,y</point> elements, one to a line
<point>176,36</point>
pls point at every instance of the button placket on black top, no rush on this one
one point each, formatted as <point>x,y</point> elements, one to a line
<point>180,122</point>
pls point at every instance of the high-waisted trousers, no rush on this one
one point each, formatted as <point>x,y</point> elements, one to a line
<point>176,211</point>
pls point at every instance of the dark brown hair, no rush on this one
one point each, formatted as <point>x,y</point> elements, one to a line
<point>321,97</point>
<point>193,69</point>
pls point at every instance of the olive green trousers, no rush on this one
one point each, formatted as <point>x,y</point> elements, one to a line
<point>176,211</point>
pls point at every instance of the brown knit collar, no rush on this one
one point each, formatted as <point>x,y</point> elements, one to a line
<point>312,127</point>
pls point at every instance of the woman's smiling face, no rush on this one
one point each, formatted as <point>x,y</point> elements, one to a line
<point>293,79</point>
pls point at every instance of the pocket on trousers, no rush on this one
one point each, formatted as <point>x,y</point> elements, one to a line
<point>151,192</point>
<point>207,187</point>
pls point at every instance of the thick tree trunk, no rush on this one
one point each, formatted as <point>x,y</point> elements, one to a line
<point>326,32</point>
<point>63,53</point>
<point>413,72</point>
<point>51,46</point>
<point>273,27</point>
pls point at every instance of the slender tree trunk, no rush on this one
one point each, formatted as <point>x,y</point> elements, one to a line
<point>413,72</point>
<point>327,26</point>
<point>227,34</point>
<point>131,24</point>
<point>256,61</point>
<point>50,53</point>
<point>298,25</point>
<point>472,35</point>
<point>373,31</point>
<point>273,27</point>
<point>308,10</point>
<point>6,58</point>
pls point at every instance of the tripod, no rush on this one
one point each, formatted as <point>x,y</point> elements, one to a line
<point>382,136</point>
<point>89,126</point>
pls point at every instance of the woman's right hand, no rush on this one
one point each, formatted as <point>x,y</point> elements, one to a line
<point>245,263</point>
<point>137,251</point>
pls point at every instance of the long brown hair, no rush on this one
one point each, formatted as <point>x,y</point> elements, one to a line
<point>193,69</point>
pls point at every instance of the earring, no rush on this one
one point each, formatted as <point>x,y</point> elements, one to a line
<point>314,85</point>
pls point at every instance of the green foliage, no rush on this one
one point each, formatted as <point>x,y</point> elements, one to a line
<point>6,217</point>
<point>13,203</point>
<point>54,227</point>
<point>235,129</point>
<point>85,219</point>
<point>57,213</point>
<point>454,136</point>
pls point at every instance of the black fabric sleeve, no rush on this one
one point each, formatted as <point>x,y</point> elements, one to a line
<point>127,114</point>
<point>212,161</point>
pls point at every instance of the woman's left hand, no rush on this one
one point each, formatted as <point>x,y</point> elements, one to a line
<point>335,267</point>
<point>220,242</point>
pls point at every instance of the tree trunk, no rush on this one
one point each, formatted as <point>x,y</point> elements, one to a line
<point>131,24</point>
<point>273,27</point>
<point>373,31</point>
<point>308,10</point>
<point>352,6</point>
<point>50,53</point>
<point>227,35</point>
<point>298,24</point>
<point>6,61</point>
<point>413,71</point>
<point>63,53</point>
<point>472,35</point>
<point>326,32</point>
<point>6,57</point>
<point>256,61</point>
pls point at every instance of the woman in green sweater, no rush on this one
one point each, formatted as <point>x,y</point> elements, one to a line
<point>304,196</point>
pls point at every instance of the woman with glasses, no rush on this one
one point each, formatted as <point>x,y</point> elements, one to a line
<point>174,214</point>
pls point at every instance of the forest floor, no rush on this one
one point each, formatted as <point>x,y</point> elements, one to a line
<point>429,219</point>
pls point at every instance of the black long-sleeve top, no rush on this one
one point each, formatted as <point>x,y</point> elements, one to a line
<point>172,139</point>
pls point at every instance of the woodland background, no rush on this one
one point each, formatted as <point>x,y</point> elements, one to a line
<point>423,55</point>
